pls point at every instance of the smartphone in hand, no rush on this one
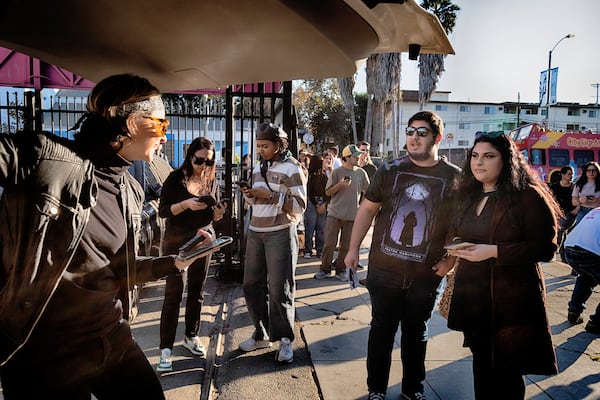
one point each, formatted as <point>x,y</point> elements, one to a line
<point>457,246</point>
<point>207,199</point>
<point>352,278</point>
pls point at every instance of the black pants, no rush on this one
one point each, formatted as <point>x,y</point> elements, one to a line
<point>492,381</point>
<point>196,278</point>
<point>110,367</point>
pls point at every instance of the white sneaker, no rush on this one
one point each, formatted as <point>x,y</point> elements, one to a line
<point>323,275</point>
<point>251,344</point>
<point>307,255</point>
<point>285,353</point>
<point>165,364</point>
<point>342,276</point>
<point>194,345</point>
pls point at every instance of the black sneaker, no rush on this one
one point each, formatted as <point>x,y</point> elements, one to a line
<point>376,396</point>
<point>574,318</point>
<point>592,327</point>
<point>414,396</point>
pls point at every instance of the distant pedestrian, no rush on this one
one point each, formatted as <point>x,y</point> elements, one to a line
<point>582,251</point>
<point>364,161</point>
<point>586,193</point>
<point>315,215</point>
<point>345,188</point>
<point>337,162</point>
<point>278,199</point>
<point>410,198</point>
<point>563,193</point>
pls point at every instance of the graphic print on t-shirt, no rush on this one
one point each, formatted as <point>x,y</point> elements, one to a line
<point>415,207</point>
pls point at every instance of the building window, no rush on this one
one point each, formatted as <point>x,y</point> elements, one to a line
<point>573,128</point>
<point>463,143</point>
<point>463,126</point>
<point>489,110</point>
<point>593,113</point>
<point>573,111</point>
<point>544,111</point>
<point>465,108</point>
<point>441,107</point>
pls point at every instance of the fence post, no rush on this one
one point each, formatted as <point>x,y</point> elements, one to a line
<point>32,114</point>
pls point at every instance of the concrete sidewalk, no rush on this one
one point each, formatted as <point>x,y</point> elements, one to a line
<point>335,323</point>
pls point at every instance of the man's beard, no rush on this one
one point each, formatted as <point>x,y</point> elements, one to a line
<point>424,155</point>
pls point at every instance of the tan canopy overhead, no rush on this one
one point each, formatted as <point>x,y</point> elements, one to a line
<point>196,44</point>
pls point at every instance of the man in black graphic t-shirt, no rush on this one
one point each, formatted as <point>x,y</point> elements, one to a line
<point>410,198</point>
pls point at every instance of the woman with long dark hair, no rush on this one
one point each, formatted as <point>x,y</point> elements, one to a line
<point>499,294</point>
<point>188,201</point>
<point>315,215</point>
<point>586,193</point>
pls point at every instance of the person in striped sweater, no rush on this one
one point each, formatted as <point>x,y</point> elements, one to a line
<point>278,200</point>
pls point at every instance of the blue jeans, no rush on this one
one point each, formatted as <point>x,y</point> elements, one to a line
<point>269,285</point>
<point>410,308</point>
<point>587,264</point>
<point>314,225</point>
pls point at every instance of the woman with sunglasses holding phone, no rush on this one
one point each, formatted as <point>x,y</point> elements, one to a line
<point>188,201</point>
<point>69,219</point>
<point>586,192</point>
<point>499,293</point>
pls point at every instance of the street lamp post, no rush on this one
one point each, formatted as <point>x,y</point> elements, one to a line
<point>570,35</point>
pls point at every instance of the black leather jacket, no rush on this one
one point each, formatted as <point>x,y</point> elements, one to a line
<point>49,190</point>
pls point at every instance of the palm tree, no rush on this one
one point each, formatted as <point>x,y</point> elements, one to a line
<point>383,83</point>
<point>431,66</point>
<point>346,86</point>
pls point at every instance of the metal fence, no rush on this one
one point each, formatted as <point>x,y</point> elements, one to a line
<point>229,120</point>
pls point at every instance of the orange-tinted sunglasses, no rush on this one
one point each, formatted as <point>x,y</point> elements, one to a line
<point>163,124</point>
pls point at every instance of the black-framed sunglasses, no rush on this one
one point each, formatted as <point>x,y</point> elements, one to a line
<point>491,135</point>
<point>201,161</point>
<point>420,132</point>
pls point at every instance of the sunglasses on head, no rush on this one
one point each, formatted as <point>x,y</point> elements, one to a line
<point>491,135</point>
<point>162,123</point>
<point>201,161</point>
<point>420,132</point>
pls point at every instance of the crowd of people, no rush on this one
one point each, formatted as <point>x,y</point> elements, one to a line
<point>76,261</point>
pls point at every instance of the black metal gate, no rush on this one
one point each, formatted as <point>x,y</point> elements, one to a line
<point>229,120</point>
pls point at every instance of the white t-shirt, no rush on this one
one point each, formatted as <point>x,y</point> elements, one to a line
<point>586,234</point>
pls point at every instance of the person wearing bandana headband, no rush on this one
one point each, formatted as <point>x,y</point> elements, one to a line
<point>69,219</point>
<point>278,200</point>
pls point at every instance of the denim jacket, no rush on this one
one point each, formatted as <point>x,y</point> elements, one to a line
<point>49,190</point>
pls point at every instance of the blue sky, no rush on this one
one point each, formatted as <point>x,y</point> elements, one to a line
<point>502,46</point>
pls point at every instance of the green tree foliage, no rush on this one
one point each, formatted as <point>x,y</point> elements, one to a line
<point>320,110</point>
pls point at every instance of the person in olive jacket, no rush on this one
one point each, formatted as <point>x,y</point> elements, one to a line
<point>510,216</point>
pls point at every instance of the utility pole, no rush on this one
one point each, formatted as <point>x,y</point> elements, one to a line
<point>596,85</point>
